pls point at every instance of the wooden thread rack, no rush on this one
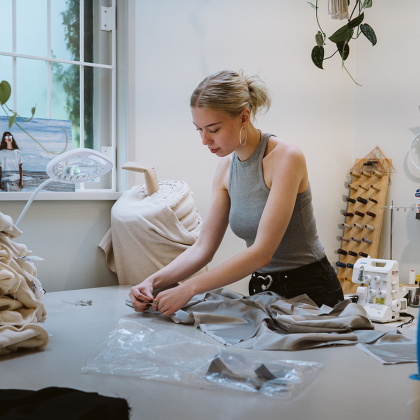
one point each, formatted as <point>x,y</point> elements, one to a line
<point>363,211</point>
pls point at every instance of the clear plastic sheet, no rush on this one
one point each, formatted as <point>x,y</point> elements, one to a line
<point>136,350</point>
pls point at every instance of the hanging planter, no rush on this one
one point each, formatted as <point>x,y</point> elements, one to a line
<point>338,9</point>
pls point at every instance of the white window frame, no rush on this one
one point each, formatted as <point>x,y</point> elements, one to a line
<point>82,193</point>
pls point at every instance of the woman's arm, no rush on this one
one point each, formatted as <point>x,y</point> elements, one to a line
<point>288,170</point>
<point>198,255</point>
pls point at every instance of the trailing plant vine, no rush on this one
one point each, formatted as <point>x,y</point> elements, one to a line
<point>342,37</point>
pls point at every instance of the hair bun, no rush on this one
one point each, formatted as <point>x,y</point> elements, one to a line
<point>232,92</point>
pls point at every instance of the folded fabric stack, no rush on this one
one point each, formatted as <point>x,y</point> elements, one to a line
<point>21,294</point>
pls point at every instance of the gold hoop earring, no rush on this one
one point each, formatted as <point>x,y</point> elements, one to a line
<point>240,136</point>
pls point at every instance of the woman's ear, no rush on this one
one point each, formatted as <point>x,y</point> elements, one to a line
<point>245,116</point>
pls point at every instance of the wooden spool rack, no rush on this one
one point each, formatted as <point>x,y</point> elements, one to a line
<point>378,192</point>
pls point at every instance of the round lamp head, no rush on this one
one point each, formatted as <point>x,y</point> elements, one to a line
<point>78,165</point>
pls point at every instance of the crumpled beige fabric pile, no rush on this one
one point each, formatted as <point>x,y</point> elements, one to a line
<point>21,294</point>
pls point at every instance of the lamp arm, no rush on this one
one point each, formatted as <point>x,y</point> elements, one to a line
<point>34,194</point>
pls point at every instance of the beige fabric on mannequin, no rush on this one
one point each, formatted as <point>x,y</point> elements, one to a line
<point>21,294</point>
<point>148,232</point>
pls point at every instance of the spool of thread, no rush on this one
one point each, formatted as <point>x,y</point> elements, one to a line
<point>370,228</point>
<point>341,251</point>
<point>353,254</point>
<point>350,266</point>
<point>345,239</point>
<point>352,187</point>
<point>351,200</point>
<point>364,187</point>
<point>373,200</point>
<point>355,174</point>
<point>368,174</point>
<point>347,214</point>
<point>340,264</point>
<point>357,226</point>
<point>366,240</point>
<point>369,213</point>
<point>378,174</point>
<point>361,200</point>
<point>359,213</point>
<point>411,277</point>
<point>363,254</point>
<point>346,225</point>
<point>356,240</point>
<point>375,188</point>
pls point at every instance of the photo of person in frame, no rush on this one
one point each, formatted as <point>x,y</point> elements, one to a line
<point>11,161</point>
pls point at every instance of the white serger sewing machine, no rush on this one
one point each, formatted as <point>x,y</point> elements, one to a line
<point>382,296</point>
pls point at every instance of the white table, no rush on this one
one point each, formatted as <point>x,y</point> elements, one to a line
<point>351,385</point>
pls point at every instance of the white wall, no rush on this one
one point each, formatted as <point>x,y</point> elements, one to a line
<point>66,234</point>
<point>179,43</point>
<point>387,115</point>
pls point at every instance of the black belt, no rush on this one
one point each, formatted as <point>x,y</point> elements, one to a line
<point>261,282</point>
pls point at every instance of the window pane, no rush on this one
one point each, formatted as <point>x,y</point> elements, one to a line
<point>7,74</point>
<point>65,97</point>
<point>65,29</point>
<point>98,119</point>
<point>31,87</point>
<point>6,31</point>
<point>31,27</point>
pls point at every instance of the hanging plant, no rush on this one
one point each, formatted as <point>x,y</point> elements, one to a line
<point>342,37</point>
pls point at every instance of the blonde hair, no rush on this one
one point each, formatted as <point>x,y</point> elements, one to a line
<point>232,92</point>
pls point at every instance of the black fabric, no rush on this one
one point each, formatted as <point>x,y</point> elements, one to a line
<point>60,404</point>
<point>318,280</point>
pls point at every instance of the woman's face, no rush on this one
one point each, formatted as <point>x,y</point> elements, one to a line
<point>8,139</point>
<point>218,130</point>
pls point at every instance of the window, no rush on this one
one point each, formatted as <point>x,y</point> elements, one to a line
<point>60,55</point>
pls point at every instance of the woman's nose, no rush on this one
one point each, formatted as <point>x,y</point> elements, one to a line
<point>206,138</point>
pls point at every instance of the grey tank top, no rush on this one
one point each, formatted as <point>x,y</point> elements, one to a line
<point>248,195</point>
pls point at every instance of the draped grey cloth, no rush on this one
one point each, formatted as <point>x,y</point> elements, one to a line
<point>267,321</point>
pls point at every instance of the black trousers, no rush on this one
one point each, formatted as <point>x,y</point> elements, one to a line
<point>318,280</point>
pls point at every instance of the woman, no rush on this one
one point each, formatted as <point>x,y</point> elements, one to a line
<point>10,156</point>
<point>261,188</point>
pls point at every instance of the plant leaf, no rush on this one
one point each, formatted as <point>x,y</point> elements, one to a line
<point>356,21</point>
<point>319,39</point>
<point>5,92</point>
<point>342,34</point>
<point>33,111</point>
<point>12,120</point>
<point>343,49</point>
<point>367,4</point>
<point>369,33</point>
<point>318,56</point>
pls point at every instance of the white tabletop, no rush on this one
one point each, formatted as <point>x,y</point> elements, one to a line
<point>349,386</point>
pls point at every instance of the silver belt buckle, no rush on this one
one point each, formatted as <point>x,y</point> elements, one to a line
<point>263,286</point>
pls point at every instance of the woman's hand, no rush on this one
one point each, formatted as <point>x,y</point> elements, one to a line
<point>171,300</point>
<point>141,296</point>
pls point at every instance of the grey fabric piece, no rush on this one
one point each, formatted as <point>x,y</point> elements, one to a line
<point>391,348</point>
<point>248,195</point>
<point>267,321</point>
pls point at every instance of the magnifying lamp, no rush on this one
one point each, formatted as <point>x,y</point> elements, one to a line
<point>77,165</point>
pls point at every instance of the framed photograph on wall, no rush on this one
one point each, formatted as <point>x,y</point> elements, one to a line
<point>25,151</point>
